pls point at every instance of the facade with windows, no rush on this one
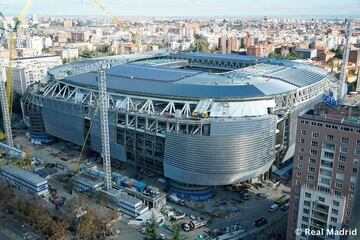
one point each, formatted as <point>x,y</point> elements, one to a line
<point>328,151</point>
<point>24,180</point>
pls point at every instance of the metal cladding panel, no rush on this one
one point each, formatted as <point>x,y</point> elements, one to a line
<point>116,150</point>
<point>64,120</point>
<point>235,151</point>
<point>298,109</point>
<point>165,88</point>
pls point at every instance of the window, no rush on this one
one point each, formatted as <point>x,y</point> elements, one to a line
<point>301,150</point>
<point>313,152</point>
<point>357,152</point>
<point>326,163</point>
<point>311,169</point>
<point>343,149</point>
<point>307,203</point>
<point>338,193</point>
<point>305,219</point>
<point>348,213</point>
<point>298,174</point>
<point>332,219</point>
<point>342,158</point>
<point>354,170</point>
<point>321,199</point>
<point>312,160</point>
<point>310,177</point>
<point>344,140</point>
<point>341,167</point>
<point>351,187</point>
<point>338,185</point>
<point>329,137</point>
<point>308,195</point>
<point>302,140</point>
<point>303,132</point>
<point>306,211</point>
<point>329,155</point>
<point>358,142</point>
<point>315,134</point>
<point>356,161</point>
<point>301,157</point>
<point>314,143</point>
<point>334,211</point>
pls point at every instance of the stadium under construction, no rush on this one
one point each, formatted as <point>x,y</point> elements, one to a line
<point>200,120</point>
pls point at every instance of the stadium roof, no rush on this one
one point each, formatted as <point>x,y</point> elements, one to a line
<point>150,77</point>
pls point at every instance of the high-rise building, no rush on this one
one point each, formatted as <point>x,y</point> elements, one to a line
<point>229,45</point>
<point>324,178</point>
<point>354,56</point>
<point>29,70</point>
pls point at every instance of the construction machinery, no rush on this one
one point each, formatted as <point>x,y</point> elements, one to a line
<point>104,122</point>
<point>103,104</point>
<point>7,93</point>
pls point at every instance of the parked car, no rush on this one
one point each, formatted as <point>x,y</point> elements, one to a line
<point>273,208</point>
<point>284,207</point>
<point>260,222</point>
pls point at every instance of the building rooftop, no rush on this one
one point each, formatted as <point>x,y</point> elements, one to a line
<point>23,174</point>
<point>344,115</point>
<point>255,81</point>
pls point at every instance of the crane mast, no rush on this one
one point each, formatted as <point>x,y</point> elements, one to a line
<point>342,82</point>
<point>5,112</point>
<point>104,123</point>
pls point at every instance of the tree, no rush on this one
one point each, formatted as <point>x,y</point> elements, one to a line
<point>338,52</point>
<point>200,44</point>
<point>152,228</point>
<point>88,54</point>
<point>6,194</point>
<point>176,234</point>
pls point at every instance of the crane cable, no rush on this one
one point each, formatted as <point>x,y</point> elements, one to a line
<point>77,168</point>
<point>9,85</point>
<point>118,22</point>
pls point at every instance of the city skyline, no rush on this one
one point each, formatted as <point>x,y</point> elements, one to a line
<point>191,8</point>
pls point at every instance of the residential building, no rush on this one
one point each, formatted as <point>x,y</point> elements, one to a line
<point>306,53</point>
<point>29,70</point>
<point>326,161</point>
<point>24,180</point>
<point>354,56</point>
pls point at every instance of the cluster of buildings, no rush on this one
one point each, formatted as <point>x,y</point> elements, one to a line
<point>24,180</point>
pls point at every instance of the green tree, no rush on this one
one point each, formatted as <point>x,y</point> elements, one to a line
<point>176,234</point>
<point>200,44</point>
<point>152,228</point>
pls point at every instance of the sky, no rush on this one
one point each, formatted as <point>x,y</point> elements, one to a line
<point>201,8</point>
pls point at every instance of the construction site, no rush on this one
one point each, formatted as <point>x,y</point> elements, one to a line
<point>182,139</point>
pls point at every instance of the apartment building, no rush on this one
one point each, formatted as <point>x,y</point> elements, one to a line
<point>324,179</point>
<point>29,70</point>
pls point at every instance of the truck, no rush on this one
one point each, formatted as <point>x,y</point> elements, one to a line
<point>175,199</point>
<point>194,224</point>
<point>281,200</point>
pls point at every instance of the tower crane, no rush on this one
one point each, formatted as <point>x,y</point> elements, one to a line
<point>6,92</point>
<point>342,81</point>
<point>104,123</point>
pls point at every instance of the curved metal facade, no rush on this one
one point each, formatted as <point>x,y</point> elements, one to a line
<point>235,150</point>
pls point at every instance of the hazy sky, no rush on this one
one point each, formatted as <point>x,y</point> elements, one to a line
<point>188,7</point>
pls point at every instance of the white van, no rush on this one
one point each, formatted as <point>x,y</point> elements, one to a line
<point>273,208</point>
